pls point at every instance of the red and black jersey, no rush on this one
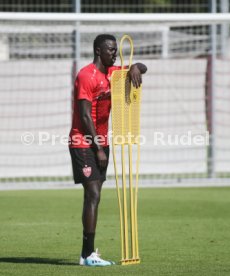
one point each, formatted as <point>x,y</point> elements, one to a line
<point>94,86</point>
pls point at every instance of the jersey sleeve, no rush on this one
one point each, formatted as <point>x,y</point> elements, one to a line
<point>84,87</point>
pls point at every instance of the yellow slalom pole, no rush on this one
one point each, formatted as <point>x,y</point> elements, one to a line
<point>132,219</point>
<point>125,120</point>
<point>136,195</point>
<point>119,201</point>
<point>126,236</point>
<point>131,50</point>
<point>126,37</point>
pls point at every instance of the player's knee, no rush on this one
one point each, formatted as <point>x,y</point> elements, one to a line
<point>93,196</point>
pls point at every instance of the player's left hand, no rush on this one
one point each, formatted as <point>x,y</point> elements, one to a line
<point>102,158</point>
<point>135,75</point>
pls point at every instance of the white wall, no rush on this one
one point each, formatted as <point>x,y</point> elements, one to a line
<point>36,96</point>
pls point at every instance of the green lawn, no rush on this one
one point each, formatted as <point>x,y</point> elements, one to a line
<point>182,231</point>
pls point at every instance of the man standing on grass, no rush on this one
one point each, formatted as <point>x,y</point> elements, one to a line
<point>89,147</point>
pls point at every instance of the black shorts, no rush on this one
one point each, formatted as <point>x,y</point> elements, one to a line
<point>85,165</point>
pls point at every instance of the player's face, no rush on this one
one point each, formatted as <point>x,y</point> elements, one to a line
<point>108,53</point>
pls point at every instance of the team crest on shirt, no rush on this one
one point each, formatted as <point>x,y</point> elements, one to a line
<point>87,171</point>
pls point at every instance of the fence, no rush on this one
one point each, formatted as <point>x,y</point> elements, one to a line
<point>186,102</point>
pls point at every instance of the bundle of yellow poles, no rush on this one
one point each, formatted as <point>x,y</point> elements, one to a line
<point>126,101</point>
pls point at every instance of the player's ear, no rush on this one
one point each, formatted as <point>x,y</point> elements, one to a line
<point>98,51</point>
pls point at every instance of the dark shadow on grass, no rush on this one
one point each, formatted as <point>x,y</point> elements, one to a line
<point>36,260</point>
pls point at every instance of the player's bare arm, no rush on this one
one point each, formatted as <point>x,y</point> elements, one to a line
<point>135,72</point>
<point>85,108</point>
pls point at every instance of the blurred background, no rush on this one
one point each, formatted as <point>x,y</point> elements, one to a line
<point>105,6</point>
<point>186,90</point>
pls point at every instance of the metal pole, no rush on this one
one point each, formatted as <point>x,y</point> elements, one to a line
<point>224,28</point>
<point>117,17</point>
<point>165,42</point>
<point>213,87</point>
<point>77,42</point>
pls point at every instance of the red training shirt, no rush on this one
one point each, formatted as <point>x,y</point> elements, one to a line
<point>94,86</point>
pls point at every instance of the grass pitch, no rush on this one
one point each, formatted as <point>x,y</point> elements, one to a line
<point>181,232</point>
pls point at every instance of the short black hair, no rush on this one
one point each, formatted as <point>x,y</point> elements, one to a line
<point>100,39</point>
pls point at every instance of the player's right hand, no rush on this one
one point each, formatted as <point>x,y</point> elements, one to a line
<point>102,158</point>
<point>135,75</point>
